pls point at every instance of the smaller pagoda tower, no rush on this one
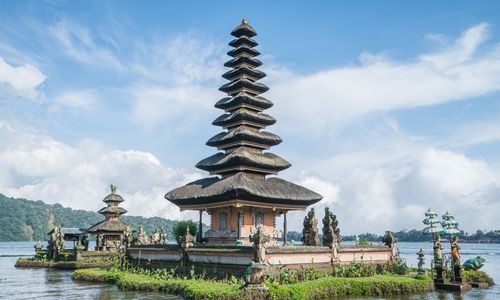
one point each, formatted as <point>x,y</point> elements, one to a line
<point>109,231</point>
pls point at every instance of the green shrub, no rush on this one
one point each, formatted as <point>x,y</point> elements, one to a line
<point>354,270</point>
<point>397,267</point>
<point>477,276</point>
<point>180,228</point>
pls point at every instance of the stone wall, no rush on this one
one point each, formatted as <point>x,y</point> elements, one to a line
<point>220,261</point>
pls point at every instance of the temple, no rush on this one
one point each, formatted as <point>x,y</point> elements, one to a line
<point>109,231</point>
<point>242,196</point>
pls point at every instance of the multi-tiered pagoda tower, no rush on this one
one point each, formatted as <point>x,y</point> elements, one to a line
<point>109,231</point>
<point>241,197</point>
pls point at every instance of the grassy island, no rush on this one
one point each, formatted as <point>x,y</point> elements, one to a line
<point>376,285</point>
<point>65,265</point>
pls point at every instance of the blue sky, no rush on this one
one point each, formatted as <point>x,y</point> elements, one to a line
<point>385,108</point>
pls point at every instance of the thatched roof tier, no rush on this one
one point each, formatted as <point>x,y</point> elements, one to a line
<point>243,99</point>
<point>243,41</point>
<point>244,135</point>
<point>113,198</point>
<point>250,73</point>
<point>244,84</point>
<point>109,225</point>
<point>242,187</point>
<point>244,29</point>
<point>243,50</point>
<point>112,210</point>
<point>244,116</point>
<point>243,61</point>
<point>243,159</point>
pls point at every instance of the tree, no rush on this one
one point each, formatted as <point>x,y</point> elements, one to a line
<point>180,228</point>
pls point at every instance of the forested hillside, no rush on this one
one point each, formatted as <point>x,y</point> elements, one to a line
<point>26,220</point>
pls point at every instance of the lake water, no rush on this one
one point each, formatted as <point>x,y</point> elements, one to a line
<point>57,284</point>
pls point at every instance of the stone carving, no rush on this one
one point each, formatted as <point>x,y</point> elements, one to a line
<point>155,237</point>
<point>38,247</point>
<point>421,262</point>
<point>438,260</point>
<point>163,237</point>
<point>128,237</point>
<point>56,243</point>
<point>255,272</point>
<point>187,240</point>
<point>259,239</point>
<point>474,263</point>
<point>142,238</point>
<point>85,242</point>
<point>331,233</point>
<point>455,254</point>
<point>310,232</point>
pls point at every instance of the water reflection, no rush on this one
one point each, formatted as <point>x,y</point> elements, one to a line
<point>57,284</point>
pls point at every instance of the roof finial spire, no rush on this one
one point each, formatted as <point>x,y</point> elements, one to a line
<point>244,21</point>
<point>113,189</point>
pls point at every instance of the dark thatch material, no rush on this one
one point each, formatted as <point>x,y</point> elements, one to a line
<point>242,157</point>
<point>243,98</point>
<point>243,187</point>
<point>243,60</point>
<point>243,71</point>
<point>243,50</point>
<point>112,210</point>
<point>113,198</point>
<point>244,29</point>
<point>244,83</point>
<point>108,226</point>
<point>244,134</point>
<point>246,41</point>
<point>244,114</point>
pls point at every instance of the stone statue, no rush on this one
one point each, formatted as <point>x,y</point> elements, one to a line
<point>389,240</point>
<point>331,233</point>
<point>255,272</point>
<point>421,262</point>
<point>155,237</point>
<point>128,237</point>
<point>187,240</point>
<point>163,237</point>
<point>100,246</point>
<point>310,232</point>
<point>259,239</point>
<point>455,254</point>
<point>474,263</point>
<point>56,243</point>
<point>38,246</point>
<point>328,234</point>
<point>113,189</point>
<point>85,242</point>
<point>438,251</point>
<point>438,260</point>
<point>142,238</point>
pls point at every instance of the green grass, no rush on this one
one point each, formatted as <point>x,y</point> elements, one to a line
<point>68,265</point>
<point>477,276</point>
<point>378,285</point>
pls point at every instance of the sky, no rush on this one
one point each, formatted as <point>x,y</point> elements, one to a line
<point>386,108</point>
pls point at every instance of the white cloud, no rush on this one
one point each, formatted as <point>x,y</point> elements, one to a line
<point>39,167</point>
<point>78,99</point>
<point>20,81</point>
<point>375,199</point>
<point>323,100</point>
<point>78,43</point>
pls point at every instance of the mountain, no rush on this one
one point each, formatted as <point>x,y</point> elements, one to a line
<point>26,220</point>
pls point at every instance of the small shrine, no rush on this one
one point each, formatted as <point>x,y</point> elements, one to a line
<point>242,196</point>
<point>109,232</point>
